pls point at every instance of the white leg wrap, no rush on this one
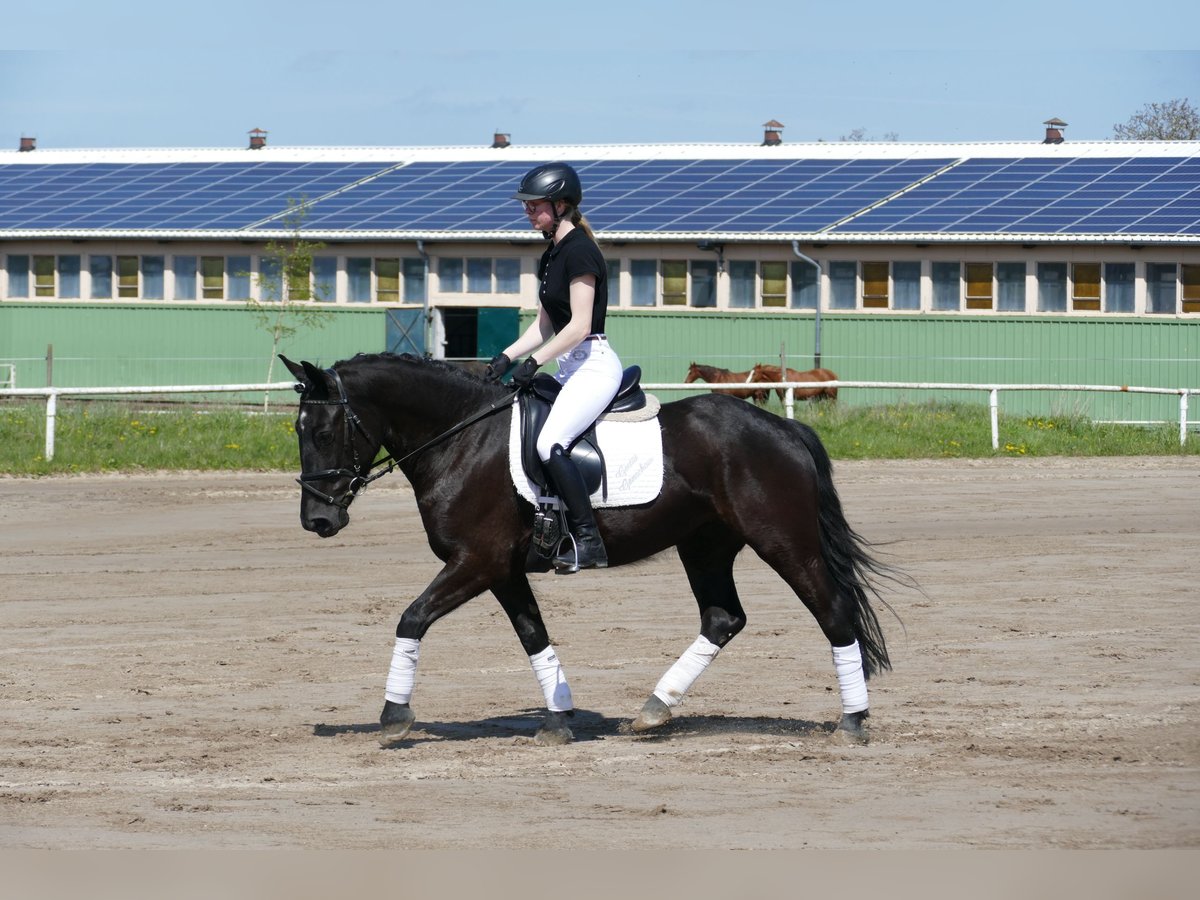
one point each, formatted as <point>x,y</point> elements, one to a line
<point>403,670</point>
<point>848,663</point>
<point>681,676</point>
<point>549,673</point>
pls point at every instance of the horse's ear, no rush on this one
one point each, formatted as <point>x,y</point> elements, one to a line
<point>294,368</point>
<point>315,378</point>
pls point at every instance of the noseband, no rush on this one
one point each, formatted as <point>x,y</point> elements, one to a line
<point>360,475</point>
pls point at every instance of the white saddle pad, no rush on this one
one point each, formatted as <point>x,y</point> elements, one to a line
<point>633,459</point>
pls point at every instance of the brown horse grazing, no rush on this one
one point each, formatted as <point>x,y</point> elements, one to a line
<point>769,374</point>
<point>715,375</point>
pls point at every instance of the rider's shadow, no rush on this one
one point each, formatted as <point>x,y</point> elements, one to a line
<point>587,725</point>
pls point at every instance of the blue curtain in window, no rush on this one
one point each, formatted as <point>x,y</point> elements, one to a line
<point>704,284</point>
<point>508,276</point>
<point>742,275</point>
<point>153,282</point>
<point>947,285</point>
<point>843,284</point>
<point>414,279</point>
<point>239,278</point>
<point>324,273</point>
<point>270,279</point>
<point>185,277</point>
<point>1161,288</point>
<point>804,286</point>
<point>358,276</point>
<point>101,270</point>
<point>479,276</point>
<point>18,275</point>
<point>450,276</point>
<point>643,274</point>
<point>1052,287</point>
<point>614,280</point>
<point>1010,286</point>
<point>68,277</point>
<point>1118,287</point>
<point>906,285</point>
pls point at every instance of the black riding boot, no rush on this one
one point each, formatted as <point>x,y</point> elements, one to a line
<point>588,551</point>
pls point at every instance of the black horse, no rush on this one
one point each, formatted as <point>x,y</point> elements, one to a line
<point>733,476</point>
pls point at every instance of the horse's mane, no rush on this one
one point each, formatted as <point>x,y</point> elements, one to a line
<point>390,360</point>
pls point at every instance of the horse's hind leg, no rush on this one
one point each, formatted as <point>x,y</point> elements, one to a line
<point>707,558</point>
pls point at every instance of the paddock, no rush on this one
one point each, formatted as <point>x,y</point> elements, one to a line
<point>184,667</point>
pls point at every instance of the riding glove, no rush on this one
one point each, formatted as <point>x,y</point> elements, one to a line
<point>525,372</point>
<point>496,368</point>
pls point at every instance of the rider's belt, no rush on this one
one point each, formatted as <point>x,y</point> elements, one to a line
<point>596,337</point>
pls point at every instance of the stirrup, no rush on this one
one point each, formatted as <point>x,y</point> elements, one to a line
<point>566,562</point>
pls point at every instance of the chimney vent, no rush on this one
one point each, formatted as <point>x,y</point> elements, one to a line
<point>258,139</point>
<point>28,144</point>
<point>772,135</point>
<point>1054,129</point>
<point>500,141</point>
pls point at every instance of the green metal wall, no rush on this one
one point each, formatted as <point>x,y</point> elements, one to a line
<point>167,345</point>
<point>171,344</point>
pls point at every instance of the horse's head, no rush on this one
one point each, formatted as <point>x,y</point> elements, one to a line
<point>692,374</point>
<point>336,449</point>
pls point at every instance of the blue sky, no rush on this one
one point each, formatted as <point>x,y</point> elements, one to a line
<point>134,73</point>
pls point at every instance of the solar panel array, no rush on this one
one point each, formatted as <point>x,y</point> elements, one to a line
<point>1030,195</point>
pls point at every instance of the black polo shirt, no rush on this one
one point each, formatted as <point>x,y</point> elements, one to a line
<point>575,255</point>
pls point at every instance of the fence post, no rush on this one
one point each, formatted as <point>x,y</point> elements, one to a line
<point>51,414</point>
<point>994,411</point>
<point>1183,411</point>
<point>789,401</point>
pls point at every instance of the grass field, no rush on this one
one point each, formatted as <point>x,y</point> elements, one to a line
<point>113,437</point>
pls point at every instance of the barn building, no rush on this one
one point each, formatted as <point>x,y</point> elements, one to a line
<point>1044,261</point>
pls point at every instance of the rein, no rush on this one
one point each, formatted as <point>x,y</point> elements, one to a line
<point>360,476</point>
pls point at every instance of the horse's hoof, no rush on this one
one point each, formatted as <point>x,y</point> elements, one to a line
<point>853,727</point>
<point>654,714</point>
<point>395,722</point>
<point>554,731</point>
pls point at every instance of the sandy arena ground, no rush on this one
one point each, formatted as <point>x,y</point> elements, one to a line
<point>183,666</point>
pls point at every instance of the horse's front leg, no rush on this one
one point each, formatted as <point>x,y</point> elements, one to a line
<point>516,597</point>
<point>454,585</point>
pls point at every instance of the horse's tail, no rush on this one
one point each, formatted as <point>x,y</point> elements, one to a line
<point>848,559</point>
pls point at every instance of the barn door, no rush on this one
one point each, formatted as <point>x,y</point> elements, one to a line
<point>406,331</point>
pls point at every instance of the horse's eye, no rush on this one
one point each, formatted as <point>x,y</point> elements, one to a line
<point>323,438</point>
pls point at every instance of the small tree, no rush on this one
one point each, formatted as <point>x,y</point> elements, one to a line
<point>285,291</point>
<point>859,135</point>
<point>1174,120</point>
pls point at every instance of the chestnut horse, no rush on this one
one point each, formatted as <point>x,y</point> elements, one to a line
<point>770,374</point>
<point>716,375</point>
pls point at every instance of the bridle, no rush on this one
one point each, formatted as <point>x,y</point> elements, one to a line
<point>361,475</point>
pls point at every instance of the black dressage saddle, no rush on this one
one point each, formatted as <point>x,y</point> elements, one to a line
<point>585,450</point>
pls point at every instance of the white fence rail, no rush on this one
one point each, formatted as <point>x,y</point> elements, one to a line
<point>53,393</point>
<point>993,390</point>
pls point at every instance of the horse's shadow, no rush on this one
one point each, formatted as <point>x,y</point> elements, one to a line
<point>587,725</point>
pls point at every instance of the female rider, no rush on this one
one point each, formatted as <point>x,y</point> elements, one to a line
<point>572,301</point>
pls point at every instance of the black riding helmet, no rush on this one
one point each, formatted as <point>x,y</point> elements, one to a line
<point>551,181</point>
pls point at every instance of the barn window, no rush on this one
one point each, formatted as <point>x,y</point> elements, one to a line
<point>1190,280</point>
<point>804,286</point>
<point>674,282</point>
<point>43,276</point>
<point>947,285</point>
<point>643,282</point>
<point>774,284</point>
<point>101,270</point>
<point>127,276</point>
<point>742,284</point>
<point>1161,288</point>
<point>875,285</point>
<point>1052,287</point>
<point>212,277</point>
<point>1118,287</point>
<point>1085,286</point>
<point>185,277</point>
<point>979,285</point>
<point>387,280</point>
<point>906,285</point>
<point>1010,286</point>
